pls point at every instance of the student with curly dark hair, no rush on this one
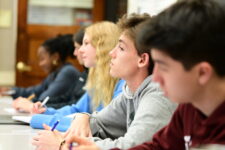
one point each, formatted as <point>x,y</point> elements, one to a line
<point>52,55</point>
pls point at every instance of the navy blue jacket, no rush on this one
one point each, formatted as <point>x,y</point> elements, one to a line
<point>56,84</point>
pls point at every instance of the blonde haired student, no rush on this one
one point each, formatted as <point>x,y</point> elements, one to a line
<point>98,40</point>
<point>103,36</point>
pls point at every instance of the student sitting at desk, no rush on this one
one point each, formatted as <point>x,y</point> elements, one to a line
<point>73,94</point>
<point>98,40</point>
<point>52,56</point>
<point>140,109</point>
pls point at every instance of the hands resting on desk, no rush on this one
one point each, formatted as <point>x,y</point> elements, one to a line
<point>25,105</point>
<point>78,132</point>
<point>4,91</point>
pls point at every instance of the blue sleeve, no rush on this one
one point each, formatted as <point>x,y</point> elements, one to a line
<point>38,120</point>
<point>52,115</point>
<point>83,105</point>
<point>119,88</point>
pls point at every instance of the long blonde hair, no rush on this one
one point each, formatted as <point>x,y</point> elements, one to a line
<point>100,85</point>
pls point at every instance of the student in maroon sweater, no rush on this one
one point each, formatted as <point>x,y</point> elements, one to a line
<point>187,43</point>
<point>189,56</point>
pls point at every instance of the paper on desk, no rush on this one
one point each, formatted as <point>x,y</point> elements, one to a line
<point>10,110</point>
<point>13,111</point>
<point>25,119</point>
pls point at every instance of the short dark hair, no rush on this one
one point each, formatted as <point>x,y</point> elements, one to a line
<point>190,31</point>
<point>129,24</point>
<point>62,44</point>
<point>78,36</point>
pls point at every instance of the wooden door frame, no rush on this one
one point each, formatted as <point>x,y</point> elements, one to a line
<point>22,38</point>
<point>22,30</point>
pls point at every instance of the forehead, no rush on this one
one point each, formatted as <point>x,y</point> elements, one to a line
<point>125,39</point>
<point>164,59</point>
<point>43,52</point>
<point>86,37</point>
<point>42,49</point>
<point>159,55</point>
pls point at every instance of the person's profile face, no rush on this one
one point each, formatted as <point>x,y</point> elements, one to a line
<point>77,53</point>
<point>124,58</point>
<point>178,84</point>
<point>45,59</point>
<point>88,52</point>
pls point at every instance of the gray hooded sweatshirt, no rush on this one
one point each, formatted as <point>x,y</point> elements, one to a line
<point>132,118</point>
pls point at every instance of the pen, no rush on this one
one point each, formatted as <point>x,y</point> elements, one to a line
<point>31,97</point>
<point>71,146</point>
<point>45,101</point>
<point>54,126</point>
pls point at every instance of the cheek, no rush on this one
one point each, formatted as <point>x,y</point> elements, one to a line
<point>179,89</point>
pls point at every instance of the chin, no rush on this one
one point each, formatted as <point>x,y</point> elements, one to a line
<point>113,75</point>
<point>87,65</point>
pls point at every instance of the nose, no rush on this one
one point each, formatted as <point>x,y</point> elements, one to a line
<point>112,52</point>
<point>75,51</point>
<point>156,75</point>
<point>81,49</point>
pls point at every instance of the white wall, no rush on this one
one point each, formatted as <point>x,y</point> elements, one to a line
<point>8,43</point>
<point>152,7</point>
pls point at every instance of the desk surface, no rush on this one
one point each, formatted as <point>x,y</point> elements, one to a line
<point>14,137</point>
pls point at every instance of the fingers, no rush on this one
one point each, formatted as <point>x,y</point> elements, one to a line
<point>46,127</point>
<point>90,134</point>
<point>37,105</point>
<point>35,140</point>
<point>37,109</point>
<point>78,140</point>
<point>91,147</point>
<point>67,133</point>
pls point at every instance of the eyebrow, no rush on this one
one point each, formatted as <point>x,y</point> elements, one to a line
<point>159,62</point>
<point>121,41</point>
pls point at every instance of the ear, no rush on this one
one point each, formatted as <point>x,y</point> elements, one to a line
<point>143,60</point>
<point>55,56</point>
<point>205,72</point>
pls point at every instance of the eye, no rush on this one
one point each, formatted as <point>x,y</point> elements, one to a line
<point>120,47</point>
<point>162,68</point>
<point>85,43</point>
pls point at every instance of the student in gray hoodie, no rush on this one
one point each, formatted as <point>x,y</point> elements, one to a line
<point>140,109</point>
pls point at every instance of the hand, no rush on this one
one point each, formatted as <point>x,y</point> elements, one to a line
<point>3,90</point>
<point>37,108</point>
<point>22,104</point>
<point>83,144</point>
<point>47,139</point>
<point>79,127</point>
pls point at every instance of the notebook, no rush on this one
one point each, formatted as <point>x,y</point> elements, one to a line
<point>7,119</point>
<point>24,119</point>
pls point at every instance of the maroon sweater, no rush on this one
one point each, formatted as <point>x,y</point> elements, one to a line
<point>189,121</point>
